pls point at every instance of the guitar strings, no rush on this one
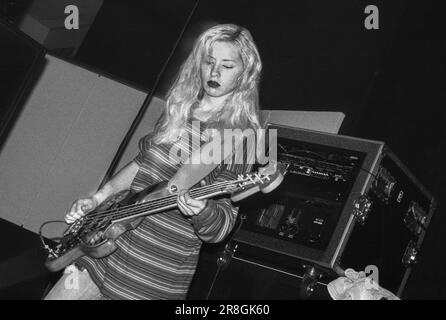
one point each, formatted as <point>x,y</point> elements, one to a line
<point>152,206</point>
<point>171,199</point>
<point>143,207</point>
<point>147,206</point>
<point>154,200</point>
<point>123,211</point>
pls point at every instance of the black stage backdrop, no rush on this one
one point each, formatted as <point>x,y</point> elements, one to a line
<point>317,56</point>
<point>132,40</point>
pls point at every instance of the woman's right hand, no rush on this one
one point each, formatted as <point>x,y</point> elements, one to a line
<point>80,208</point>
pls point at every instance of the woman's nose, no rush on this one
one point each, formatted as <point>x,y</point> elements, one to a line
<point>215,71</point>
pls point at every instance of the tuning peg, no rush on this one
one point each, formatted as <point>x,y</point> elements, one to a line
<point>270,169</point>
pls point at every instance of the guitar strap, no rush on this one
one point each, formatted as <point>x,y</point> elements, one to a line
<point>200,163</point>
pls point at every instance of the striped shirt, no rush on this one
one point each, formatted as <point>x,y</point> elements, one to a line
<point>157,260</point>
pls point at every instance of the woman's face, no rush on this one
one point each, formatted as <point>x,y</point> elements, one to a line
<point>220,69</point>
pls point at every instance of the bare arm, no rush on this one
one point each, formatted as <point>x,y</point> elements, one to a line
<point>119,182</point>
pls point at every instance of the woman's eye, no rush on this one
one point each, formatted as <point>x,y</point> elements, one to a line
<point>228,67</point>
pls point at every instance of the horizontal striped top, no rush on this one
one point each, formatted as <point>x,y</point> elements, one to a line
<point>157,260</point>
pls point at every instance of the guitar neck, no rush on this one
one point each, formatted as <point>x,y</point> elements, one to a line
<point>158,205</point>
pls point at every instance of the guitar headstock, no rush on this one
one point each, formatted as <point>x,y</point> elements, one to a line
<point>266,179</point>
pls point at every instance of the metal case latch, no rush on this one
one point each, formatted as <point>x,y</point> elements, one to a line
<point>226,255</point>
<point>361,208</point>
<point>384,185</point>
<point>309,281</point>
<point>410,255</point>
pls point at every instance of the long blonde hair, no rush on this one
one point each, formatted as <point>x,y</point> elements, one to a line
<point>242,107</point>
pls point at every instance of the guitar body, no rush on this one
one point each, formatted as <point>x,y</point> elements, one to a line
<point>105,243</point>
<point>95,233</point>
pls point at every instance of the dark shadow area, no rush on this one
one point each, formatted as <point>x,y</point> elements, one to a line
<point>21,63</point>
<point>13,11</point>
<point>133,41</point>
<point>405,110</point>
<point>24,276</point>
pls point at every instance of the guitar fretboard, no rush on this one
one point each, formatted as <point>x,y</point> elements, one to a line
<point>152,206</point>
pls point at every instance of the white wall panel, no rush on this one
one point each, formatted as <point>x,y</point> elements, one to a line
<point>63,142</point>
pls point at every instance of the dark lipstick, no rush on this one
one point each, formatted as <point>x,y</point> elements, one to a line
<point>213,84</point>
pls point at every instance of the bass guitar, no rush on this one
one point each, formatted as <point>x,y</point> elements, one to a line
<point>95,233</point>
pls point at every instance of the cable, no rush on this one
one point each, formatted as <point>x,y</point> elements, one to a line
<point>369,172</point>
<point>42,240</point>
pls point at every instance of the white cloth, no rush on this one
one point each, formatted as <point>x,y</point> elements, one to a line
<point>357,286</point>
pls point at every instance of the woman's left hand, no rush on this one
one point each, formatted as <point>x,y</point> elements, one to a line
<point>188,205</point>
